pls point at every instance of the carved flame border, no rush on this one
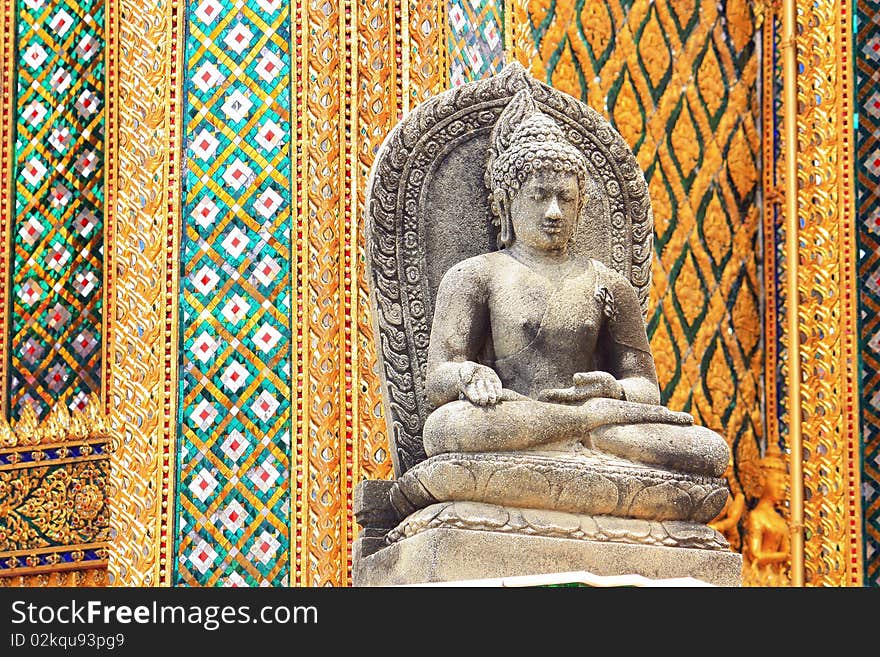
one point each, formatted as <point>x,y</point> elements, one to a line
<point>142,227</point>
<point>382,69</point>
<point>829,297</point>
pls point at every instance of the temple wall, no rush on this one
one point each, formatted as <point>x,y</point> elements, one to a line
<point>198,236</point>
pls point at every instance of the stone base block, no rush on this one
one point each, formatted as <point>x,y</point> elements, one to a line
<point>444,555</point>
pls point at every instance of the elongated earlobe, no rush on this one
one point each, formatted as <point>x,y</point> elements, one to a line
<point>505,237</point>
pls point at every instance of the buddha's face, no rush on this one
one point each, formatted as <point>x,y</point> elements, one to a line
<point>544,211</point>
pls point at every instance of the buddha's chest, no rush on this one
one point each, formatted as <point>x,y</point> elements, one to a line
<point>526,310</point>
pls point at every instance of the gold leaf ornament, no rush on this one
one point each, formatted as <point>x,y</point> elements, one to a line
<point>597,26</point>
<point>28,426</point>
<point>7,435</point>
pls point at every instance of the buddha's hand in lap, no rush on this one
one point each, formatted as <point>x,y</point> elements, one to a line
<point>479,385</point>
<point>587,385</point>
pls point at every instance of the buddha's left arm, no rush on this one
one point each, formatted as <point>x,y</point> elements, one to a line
<point>627,354</point>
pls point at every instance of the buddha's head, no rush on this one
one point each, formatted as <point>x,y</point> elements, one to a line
<point>536,177</point>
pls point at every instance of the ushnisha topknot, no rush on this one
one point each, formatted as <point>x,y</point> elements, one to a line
<point>525,140</point>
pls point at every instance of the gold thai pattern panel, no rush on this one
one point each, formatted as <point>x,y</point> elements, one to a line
<point>679,80</point>
<point>54,493</point>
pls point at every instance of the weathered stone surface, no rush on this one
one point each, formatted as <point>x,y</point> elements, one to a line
<point>644,433</point>
<point>371,504</point>
<point>445,555</point>
<point>665,445</point>
<point>588,483</point>
<point>556,524</point>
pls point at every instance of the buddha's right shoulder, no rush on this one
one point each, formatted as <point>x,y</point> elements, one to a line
<point>470,271</point>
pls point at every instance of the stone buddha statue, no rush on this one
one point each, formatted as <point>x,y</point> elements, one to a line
<point>527,418</point>
<point>558,336</point>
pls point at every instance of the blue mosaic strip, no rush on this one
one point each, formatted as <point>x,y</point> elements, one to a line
<point>232,503</point>
<point>51,560</point>
<point>56,292</point>
<point>49,455</point>
<point>476,39</point>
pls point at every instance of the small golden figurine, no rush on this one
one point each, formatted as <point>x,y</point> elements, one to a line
<point>767,542</point>
<point>727,522</point>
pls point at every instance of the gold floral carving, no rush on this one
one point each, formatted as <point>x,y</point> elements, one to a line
<point>654,51</point>
<point>598,28</point>
<point>141,237</point>
<point>84,578</point>
<point>743,322</point>
<point>740,21</point>
<point>685,140</point>
<point>54,495</point>
<point>628,120</point>
<point>717,230</point>
<point>666,358</point>
<point>323,220</point>
<point>689,290</point>
<point>379,107</point>
<point>827,308</point>
<point>723,389</point>
<point>662,201</point>
<point>743,171</point>
<point>710,81</point>
<point>54,505</point>
<point>425,57</point>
